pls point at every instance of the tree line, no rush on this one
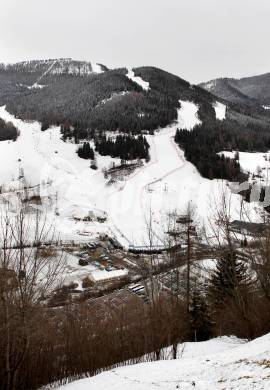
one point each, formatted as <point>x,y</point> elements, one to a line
<point>205,141</point>
<point>127,107</point>
<point>126,147</point>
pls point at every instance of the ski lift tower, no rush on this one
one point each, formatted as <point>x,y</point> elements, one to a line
<point>190,231</point>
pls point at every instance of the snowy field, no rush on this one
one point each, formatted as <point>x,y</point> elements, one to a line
<point>219,364</point>
<point>70,189</point>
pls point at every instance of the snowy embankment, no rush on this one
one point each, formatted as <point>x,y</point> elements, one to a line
<point>219,364</point>
<point>71,189</point>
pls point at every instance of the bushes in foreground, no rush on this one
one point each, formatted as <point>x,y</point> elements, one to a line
<point>8,131</point>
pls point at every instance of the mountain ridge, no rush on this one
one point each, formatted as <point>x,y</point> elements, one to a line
<point>135,101</point>
<point>48,91</point>
<point>252,90</point>
<point>58,66</point>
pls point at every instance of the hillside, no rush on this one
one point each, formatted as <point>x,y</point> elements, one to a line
<point>88,99</point>
<point>94,98</point>
<point>70,102</point>
<point>219,364</point>
<point>248,90</point>
<point>51,167</point>
<point>114,161</point>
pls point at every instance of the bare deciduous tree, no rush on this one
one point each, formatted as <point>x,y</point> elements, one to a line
<point>27,278</point>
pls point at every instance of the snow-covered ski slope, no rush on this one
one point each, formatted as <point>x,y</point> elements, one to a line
<point>188,116</point>
<point>138,80</point>
<point>218,364</point>
<point>164,185</point>
<point>220,110</point>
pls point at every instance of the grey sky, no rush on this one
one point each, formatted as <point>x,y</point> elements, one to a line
<point>195,39</point>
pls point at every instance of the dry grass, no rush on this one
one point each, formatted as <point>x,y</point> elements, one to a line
<point>47,252</point>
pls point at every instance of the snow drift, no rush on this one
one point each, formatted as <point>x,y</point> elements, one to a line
<point>219,364</point>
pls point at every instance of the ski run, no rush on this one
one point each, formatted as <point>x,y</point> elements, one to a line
<point>45,163</point>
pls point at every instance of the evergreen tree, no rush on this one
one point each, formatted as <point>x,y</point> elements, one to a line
<point>200,323</point>
<point>230,297</point>
<point>229,278</point>
<point>125,147</point>
<point>85,151</point>
<point>45,125</point>
<point>203,144</point>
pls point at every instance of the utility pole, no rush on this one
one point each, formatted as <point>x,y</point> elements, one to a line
<point>188,266</point>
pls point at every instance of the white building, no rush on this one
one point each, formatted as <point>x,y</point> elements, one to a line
<point>101,276</point>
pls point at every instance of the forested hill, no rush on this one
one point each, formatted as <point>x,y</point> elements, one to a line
<point>251,91</point>
<point>95,98</point>
<point>91,97</point>
<point>88,99</point>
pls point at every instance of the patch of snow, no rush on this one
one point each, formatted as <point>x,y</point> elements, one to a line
<point>138,80</point>
<point>188,115</point>
<point>79,283</point>
<point>113,96</point>
<point>219,364</point>
<point>208,264</point>
<point>220,110</point>
<point>36,86</point>
<point>96,68</point>
<point>141,114</point>
<point>192,350</point>
<point>210,85</point>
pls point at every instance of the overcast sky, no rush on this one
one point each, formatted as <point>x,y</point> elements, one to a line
<point>195,39</point>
